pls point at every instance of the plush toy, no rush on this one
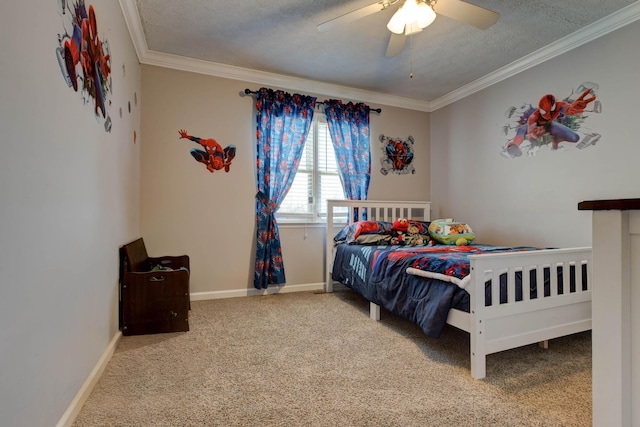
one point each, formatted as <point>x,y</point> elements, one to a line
<point>417,235</point>
<point>400,227</point>
<point>410,233</point>
<point>461,241</point>
<point>449,232</point>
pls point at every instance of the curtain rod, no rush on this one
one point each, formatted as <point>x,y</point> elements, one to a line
<point>252,92</point>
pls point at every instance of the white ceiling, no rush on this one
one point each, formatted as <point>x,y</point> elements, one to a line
<point>277,42</point>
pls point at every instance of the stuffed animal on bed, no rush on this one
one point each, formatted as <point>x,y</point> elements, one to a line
<point>417,235</point>
<point>409,233</point>
<point>449,232</point>
<point>400,227</point>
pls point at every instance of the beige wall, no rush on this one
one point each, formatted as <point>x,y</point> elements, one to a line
<point>68,200</point>
<point>211,216</point>
<point>533,200</point>
<point>72,193</point>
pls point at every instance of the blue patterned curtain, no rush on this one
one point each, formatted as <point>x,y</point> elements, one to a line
<point>283,123</point>
<point>349,129</point>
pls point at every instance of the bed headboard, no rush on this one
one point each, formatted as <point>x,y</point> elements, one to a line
<point>339,210</point>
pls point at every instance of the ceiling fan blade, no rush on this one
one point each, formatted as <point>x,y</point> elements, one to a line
<point>352,16</point>
<point>467,13</point>
<point>396,44</point>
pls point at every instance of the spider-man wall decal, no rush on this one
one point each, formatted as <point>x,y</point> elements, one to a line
<point>556,123</point>
<point>84,59</point>
<point>214,157</point>
<point>397,155</point>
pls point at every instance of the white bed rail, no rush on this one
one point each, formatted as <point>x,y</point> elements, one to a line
<point>497,327</point>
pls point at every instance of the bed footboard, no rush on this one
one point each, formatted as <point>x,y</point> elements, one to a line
<point>514,323</point>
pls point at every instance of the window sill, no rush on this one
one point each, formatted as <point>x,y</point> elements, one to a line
<point>301,223</point>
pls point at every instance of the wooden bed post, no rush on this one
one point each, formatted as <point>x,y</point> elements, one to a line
<point>328,287</point>
<point>476,326</point>
<point>374,311</point>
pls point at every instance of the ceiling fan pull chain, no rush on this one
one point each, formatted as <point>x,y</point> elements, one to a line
<point>411,56</point>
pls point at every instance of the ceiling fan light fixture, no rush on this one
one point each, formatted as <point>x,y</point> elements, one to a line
<point>412,28</point>
<point>411,17</point>
<point>397,21</point>
<point>425,15</point>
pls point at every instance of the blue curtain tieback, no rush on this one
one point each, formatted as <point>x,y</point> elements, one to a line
<point>269,207</point>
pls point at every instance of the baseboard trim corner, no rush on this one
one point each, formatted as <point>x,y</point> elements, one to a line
<point>74,408</point>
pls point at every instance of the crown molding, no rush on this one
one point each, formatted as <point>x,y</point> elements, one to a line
<point>134,25</point>
<point>591,32</point>
<point>279,80</point>
<point>149,57</point>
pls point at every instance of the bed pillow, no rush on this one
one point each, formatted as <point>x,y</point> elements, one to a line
<point>373,239</point>
<point>351,232</point>
<point>450,232</point>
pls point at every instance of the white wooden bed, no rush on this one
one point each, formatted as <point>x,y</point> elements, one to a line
<point>495,327</point>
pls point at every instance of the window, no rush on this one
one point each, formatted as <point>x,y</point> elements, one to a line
<point>317,178</point>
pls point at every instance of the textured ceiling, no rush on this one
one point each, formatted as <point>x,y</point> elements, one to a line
<point>281,36</point>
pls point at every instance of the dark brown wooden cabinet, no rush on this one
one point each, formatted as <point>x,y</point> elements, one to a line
<point>154,292</point>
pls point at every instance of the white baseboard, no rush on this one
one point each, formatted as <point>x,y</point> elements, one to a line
<point>199,296</point>
<point>76,404</point>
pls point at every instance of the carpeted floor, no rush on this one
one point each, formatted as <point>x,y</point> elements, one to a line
<point>315,359</point>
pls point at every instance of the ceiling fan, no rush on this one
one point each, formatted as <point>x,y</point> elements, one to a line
<point>415,15</point>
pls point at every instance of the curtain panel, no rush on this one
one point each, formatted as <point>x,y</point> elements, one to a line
<point>283,123</point>
<point>349,129</point>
